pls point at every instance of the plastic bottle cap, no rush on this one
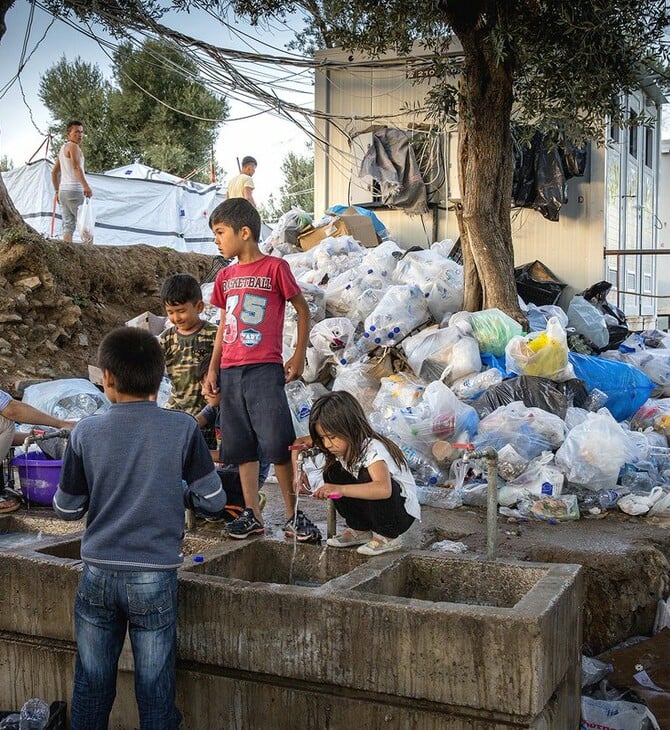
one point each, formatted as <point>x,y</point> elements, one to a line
<point>372,328</point>
<point>396,329</point>
<point>366,334</point>
<point>198,559</point>
<point>343,361</point>
<point>370,271</point>
<point>378,340</point>
<point>391,335</point>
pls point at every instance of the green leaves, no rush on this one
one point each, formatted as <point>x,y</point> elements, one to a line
<point>157,112</point>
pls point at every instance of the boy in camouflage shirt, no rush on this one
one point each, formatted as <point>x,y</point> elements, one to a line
<point>186,343</point>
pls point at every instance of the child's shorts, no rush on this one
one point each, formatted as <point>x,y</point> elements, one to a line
<point>255,414</point>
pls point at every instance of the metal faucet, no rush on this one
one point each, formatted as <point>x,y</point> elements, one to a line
<point>309,453</point>
<point>36,436</point>
<point>491,456</point>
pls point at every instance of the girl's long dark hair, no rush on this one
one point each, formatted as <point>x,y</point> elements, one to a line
<point>340,414</point>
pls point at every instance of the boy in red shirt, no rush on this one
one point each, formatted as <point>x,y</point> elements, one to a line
<point>247,364</point>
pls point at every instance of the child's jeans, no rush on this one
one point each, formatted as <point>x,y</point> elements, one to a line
<point>107,601</point>
<point>386,517</point>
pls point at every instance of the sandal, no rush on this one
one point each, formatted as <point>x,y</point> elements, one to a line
<point>349,538</point>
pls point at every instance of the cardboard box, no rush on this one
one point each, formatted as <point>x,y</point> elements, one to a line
<point>148,321</point>
<point>644,667</point>
<point>350,223</point>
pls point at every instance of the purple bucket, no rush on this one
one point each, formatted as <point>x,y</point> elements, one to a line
<point>38,476</point>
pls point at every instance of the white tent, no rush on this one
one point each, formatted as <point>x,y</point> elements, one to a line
<point>132,204</point>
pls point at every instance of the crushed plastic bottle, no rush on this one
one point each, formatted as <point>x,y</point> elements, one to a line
<point>34,714</point>
<point>424,470</point>
<point>300,403</point>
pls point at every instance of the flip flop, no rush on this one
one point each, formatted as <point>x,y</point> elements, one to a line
<point>9,503</point>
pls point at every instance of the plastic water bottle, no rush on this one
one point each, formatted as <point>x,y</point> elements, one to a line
<point>300,403</point>
<point>424,471</point>
<point>356,350</point>
<point>34,714</point>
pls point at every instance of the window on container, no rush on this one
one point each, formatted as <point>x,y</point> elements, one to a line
<point>632,135</point>
<point>615,133</point>
<point>649,147</point>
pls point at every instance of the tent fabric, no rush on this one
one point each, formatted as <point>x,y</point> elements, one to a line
<point>128,208</point>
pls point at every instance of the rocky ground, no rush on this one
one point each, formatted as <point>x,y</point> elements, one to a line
<point>57,300</point>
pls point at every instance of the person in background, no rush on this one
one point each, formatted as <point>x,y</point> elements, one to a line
<point>186,343</point>
<point>242,185</point>
<point>131,470</point>
<point>69,181</point>
<point>13,412</point>
<point>376,492</point>
<point>247,365</point>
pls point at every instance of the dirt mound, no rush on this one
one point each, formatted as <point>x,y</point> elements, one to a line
<point>57,300</point>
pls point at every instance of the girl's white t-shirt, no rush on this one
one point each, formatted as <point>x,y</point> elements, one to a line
<point>374,451</point>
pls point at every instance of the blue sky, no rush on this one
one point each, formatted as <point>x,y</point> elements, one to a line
<point>23,123</point>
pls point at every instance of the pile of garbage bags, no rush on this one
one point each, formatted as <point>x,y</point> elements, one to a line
<point>576,432</point>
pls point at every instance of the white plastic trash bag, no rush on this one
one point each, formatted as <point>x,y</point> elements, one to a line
<point>594,451</point>
<point>69,399</point>
<point>616,715</point>
<point>86,221</point>
<point>588,321</point>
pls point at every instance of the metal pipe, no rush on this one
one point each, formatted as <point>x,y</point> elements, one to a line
<point>331,524</point>
<point>491,456</point>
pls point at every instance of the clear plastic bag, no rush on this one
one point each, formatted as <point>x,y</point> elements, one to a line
<point>541,477</point>
<point>539,316</point>
<point>588,321</point>
<point>473,385</point>
<point>331,335</point>
<point>402,309</point>
<point>398,391</point>
<point>420,268</point>
<point>530,431</point>
<point>594,451</point>
<point>69,399</point>
<point>543,354</point>
<point>550,509</point>
<point>616,715</point>
<point>355,380</point>
<point>86,221</point>
<point>442,352</point>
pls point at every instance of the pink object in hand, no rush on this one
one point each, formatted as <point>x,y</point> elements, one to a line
<point>334,495</point>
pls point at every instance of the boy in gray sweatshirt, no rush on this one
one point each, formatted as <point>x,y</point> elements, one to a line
<point>132,470</point>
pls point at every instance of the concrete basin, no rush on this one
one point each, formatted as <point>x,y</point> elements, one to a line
<point>273,562</point>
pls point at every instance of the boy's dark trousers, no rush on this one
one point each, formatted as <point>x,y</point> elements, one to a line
<point>386,517</point>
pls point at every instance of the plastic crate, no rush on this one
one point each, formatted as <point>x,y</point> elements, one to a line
<point>537,284</point>
<point>57,715</point>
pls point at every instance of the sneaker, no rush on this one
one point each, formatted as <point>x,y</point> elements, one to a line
<point>380,544</point>
<point>302,528</point>
<point>246,524</point>
<point>349,538</point>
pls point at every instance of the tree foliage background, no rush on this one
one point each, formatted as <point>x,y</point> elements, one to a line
<point>155,111</point>
<point>297,190</point>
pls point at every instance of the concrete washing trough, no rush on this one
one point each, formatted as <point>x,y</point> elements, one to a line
<point>273,635</point>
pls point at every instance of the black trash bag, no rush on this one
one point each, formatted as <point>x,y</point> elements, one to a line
<point>550,181</point>
<point>524,188</point>
<point>617,326</point>
<point>573,159</point>
<point>535,393</point>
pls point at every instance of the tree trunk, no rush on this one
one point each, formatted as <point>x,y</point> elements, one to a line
<point>9,215</point>
<point>486,168</point>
